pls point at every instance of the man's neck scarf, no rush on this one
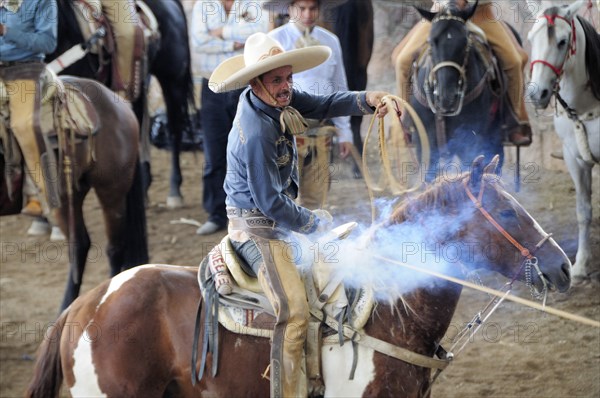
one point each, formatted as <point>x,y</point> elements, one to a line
<point>290,119</point>
<point>11,5</point>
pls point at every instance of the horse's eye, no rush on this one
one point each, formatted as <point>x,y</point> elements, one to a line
<point>562,43</point>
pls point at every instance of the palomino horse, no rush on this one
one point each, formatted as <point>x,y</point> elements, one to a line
<point>108,163</point>
<point>565,52</point>
<point>132,335</point>
<point>175,82</point>
<point>455,91</point>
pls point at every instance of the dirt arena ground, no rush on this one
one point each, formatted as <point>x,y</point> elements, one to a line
<point>521,352</point>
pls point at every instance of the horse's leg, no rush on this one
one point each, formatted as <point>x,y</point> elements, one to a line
<point>581,173</point>
<point>141,113</point>
<point>79,243</point>
<point>115,209</point>
<point>177,124</point>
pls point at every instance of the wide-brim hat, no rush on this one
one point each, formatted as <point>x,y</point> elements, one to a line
<point>261,55</point>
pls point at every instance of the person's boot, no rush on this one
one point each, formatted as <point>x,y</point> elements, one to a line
<point>521,134</point>
<point>33,208</point>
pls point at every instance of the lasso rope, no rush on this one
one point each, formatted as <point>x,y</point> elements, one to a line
<point>497,293</point>
<point>398,142</point>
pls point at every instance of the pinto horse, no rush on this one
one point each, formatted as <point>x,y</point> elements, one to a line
<point>565,52</point>
<point>455,92</point>
<point>170,63</point>
<point>133,334</point>
<point>107,162</point>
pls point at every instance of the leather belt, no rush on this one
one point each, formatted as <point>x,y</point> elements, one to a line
<point>13,63</point>
<point>237,212</point>
<point>243,223</point>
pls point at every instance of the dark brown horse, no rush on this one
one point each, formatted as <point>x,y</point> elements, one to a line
<point>132,335</point>
<point>169,61</point>
<point>113,172</point>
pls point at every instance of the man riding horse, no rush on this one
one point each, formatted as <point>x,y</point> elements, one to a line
<point>28,31</point>
<point>262,181</point>
<point>123,20</point>
<point>511,55</point>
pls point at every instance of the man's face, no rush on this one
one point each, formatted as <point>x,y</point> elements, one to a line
<point>305,13</point>
<point>278,83</point>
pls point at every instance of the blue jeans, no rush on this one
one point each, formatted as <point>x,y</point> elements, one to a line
<point>217,113</point>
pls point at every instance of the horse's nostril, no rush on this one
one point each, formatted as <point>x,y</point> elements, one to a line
<point>545,94</point>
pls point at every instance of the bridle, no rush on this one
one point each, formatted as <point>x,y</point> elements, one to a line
<point>430,85</point>
<point>569,111</point>
<point>572,50</point>
<point>530,262</point>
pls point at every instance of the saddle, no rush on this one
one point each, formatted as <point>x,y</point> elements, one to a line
<point>147,33</point>
<point>63,118</point>
<point>229,285</point>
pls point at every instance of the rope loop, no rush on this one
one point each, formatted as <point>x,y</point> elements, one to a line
<point>396,151</point>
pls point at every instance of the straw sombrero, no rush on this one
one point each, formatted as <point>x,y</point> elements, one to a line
<point>261,55</point>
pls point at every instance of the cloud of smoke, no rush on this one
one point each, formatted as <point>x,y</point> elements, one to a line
<point>426,241</point>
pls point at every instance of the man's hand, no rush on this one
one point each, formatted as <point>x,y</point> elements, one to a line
<point>2,29</point>
<point>325,220</point>
<point>345,149</point>
<point>218,33</point>
<point>374,99</point>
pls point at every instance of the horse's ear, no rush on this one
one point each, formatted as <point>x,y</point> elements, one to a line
<point>428,15</point>
<point>492,166</point>
<point>574,8</point>
<point>476,172</point>
<point>469,11</point>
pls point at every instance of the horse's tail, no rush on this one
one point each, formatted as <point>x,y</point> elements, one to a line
<point>136,232</point>
<point>47,373</point>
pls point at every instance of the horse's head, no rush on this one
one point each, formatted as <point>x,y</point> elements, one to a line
<point>450,45</point>
<point>553,41</point>
<point>471,220</point>
<point>508,239</point>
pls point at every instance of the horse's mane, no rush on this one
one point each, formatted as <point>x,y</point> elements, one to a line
<point>441,193</point>
<point>592,54</point>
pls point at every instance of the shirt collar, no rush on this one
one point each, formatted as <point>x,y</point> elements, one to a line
<point>272,112</point>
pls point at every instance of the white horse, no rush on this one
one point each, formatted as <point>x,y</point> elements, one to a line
<point>565,59</point>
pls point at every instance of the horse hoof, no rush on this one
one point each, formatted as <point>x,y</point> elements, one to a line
<point>174,202</point>
<point>56,235</point>
<point>39,228</point>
